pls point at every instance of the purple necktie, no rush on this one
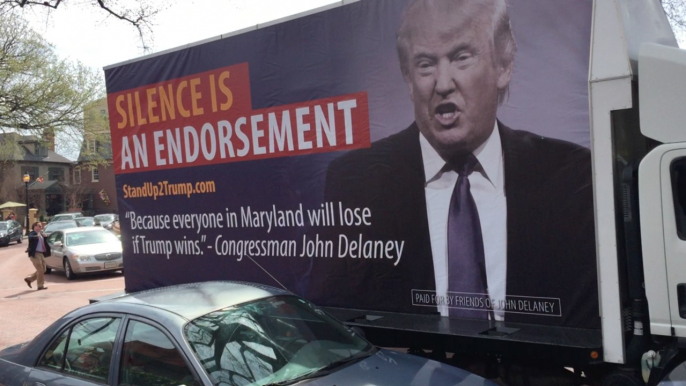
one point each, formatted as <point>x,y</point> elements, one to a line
<point>466,263</point>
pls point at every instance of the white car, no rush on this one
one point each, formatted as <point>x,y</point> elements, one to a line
<point>84,250</point>
<point>66,216</point>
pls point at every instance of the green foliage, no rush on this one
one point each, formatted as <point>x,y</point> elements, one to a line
<point>41,94</point>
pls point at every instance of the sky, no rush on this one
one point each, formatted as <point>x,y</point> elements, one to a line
<point>82,31</point>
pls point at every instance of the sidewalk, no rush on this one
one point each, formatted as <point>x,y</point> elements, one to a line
<point>25,312</point>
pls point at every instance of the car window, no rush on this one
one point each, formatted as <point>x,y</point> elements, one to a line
<point>150,358</point>
<point>88,349</point>
<point>54,356</point>
<point>3,226</point>
<point>60,225</point>
<point>270,340</point>
<point>57,236</point>
<point>16,224</point>
<point>85,221</point>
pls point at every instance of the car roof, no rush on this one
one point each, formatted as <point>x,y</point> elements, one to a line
<point>193,300</point>
<point>83,229</point>
<point>61,221</point>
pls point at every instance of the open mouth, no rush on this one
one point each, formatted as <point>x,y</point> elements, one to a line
<point>446,114</point>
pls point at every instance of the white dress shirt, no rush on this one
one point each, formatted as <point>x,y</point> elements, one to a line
<point>487,183</point>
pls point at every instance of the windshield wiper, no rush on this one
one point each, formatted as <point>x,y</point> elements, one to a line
<point>322,371</point>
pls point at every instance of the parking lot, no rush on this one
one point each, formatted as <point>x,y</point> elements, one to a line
<point>24,312</point>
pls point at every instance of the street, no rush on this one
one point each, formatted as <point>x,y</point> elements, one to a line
<point>24,312</point>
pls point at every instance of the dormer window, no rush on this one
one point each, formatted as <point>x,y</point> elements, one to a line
<point>41,150</point>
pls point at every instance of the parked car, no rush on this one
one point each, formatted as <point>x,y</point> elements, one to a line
<point>59,225</point>
<point>66,216</point>
<point>106,220</point>
<point>10,231</point>
<point>213,333</point>
<point>86,221</point>
<point>84,250</point>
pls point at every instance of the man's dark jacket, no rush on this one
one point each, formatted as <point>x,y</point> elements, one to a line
<point>33,244</point>
<point>550,227</point>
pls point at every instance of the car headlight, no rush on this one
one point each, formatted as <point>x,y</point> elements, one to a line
<point>3,234</point>
<point>82,258</point>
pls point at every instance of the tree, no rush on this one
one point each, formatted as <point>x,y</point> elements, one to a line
<point>137,13</point>
<point>76,195</point>
<point>41,94</point>
<point>676,14</point>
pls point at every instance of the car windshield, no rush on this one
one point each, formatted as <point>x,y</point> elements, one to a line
<point>85,221</point>
<point>104,217</point>
<point>55,226</point>
<point>3,226</point>
<point>277,340</point>
<point>90,237</point>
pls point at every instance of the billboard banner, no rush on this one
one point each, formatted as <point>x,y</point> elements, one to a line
<point>415,156</point>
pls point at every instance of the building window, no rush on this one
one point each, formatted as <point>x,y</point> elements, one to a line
<point>41,150</point>
<point>77,175</point>
<point>31,171</point>
<point>92,145</point>
<point>94,174</point>
<point>55,174</point>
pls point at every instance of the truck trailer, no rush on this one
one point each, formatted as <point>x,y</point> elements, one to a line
<point>496,185</point>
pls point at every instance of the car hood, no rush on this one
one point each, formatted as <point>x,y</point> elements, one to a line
<point>95,249</point>
<point>392,368</point>
<point>9,352</point>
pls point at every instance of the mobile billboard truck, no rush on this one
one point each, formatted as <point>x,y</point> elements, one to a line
<point>448,176</point>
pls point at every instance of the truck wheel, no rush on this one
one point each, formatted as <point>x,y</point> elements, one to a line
<point>622,379</point>
<point>68,273</point>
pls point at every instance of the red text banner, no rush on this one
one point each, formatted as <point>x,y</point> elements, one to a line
<point>207,118</point>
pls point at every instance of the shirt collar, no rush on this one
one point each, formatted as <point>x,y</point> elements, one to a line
<point>489,155</point>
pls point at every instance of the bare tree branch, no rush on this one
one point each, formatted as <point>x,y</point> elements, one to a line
<point>139,13</point>
<point>676,14</point>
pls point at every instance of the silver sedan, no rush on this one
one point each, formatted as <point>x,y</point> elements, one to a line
<point>213,333</point>
<point>84,250</point>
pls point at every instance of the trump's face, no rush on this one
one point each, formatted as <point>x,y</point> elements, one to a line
<point>454,74</point>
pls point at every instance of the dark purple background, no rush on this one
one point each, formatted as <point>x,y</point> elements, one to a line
<point>344,50</point>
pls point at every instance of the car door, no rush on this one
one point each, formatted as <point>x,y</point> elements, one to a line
<point>81,354</point>
<point>56,250</point>
<point>15,233</point>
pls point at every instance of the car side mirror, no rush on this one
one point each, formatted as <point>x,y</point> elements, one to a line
<point>359,331</point>
<point>57,244</point>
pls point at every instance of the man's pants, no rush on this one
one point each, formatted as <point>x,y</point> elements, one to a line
<point>39,263</point>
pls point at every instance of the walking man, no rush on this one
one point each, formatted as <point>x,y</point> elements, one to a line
<point>38,251</point>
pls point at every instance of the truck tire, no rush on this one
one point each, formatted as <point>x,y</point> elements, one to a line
<point>622,379</point>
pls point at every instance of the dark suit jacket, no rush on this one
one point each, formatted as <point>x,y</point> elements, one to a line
<point>33,244</point>
<point>550,227</point>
